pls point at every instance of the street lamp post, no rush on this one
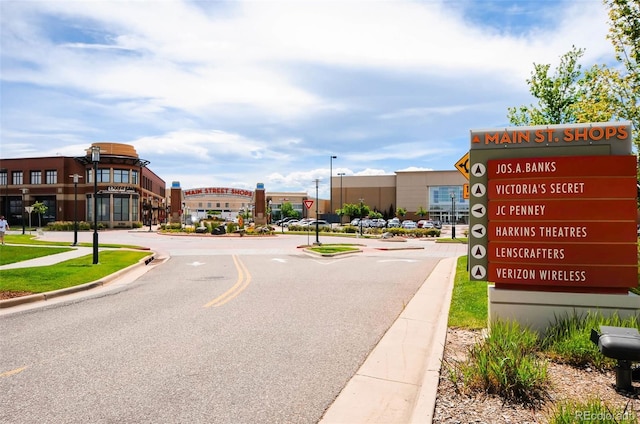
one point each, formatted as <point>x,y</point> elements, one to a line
<point>317,223</point>
<point>75,177</point>
<point>360,213</point>
<point>453,215</point>
<point>341,204</point>
<point>95,158</point>
<point>24,192</point>
<point>150,213</point>
<point>331,158</point>
<point>282,214</point>
<point>6,191</point>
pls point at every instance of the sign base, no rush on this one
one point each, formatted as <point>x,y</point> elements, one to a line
<point>538,310</point>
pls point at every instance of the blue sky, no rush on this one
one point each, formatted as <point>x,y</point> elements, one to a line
<point>232,93</point>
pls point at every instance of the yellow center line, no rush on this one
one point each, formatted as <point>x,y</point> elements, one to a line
<point>244,278</point>
<point>12,372</point>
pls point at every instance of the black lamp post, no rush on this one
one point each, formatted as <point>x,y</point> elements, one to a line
<point>75,177</point>
<point>360,213</point>
<point>24,191</point>
<point>331,158</point>
<point>341,204</point>
<point>317,223</point>
<point>95,158</point>
<point>453,215</point>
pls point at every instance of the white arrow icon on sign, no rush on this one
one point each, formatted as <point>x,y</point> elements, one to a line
<point>478,230</point>
<point>478,211</point>
<point>478,272</point>
<point>478,170</point>
<point>478,190</point>
<point>478,251</point>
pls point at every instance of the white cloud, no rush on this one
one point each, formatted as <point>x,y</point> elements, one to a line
<point>248,91</point>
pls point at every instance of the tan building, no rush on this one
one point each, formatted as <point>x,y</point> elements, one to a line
<point>439,193</point>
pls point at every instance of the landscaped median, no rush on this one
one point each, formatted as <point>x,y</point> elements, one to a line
<point>333,249</point>
<point>22,285</point>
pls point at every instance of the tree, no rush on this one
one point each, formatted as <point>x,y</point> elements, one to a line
<point>356,210</point>
<point>39,208</point>
<point>556,94</point>
<point>624,34</point>
<point>286,210</point>
<point>401,212</point>
<point>421,212</point>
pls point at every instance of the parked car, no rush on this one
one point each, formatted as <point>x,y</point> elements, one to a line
<point>355,222</point>
<point>285,220</point>
<point>437,224</point>
<point>393,223</point>
<point>378,223</point>
<point>365,223</point>
<point>312,224</point>
<point>425,223</point>
<point>288,223</point>
<point>409,224</point>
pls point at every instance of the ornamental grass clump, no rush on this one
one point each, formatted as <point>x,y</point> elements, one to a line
<point>568,340</point>
<point>506,363</point>
<point>591,411</point>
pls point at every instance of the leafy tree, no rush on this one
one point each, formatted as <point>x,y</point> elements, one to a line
<point>557,94</point>
<point>421,212</point>
<point>375,215</point>
<point>286,210</point>
<point>356,210</point>
<point>39,208</point>
<point>401,212</point>
<point>624,34</point>
<point>599,94</point>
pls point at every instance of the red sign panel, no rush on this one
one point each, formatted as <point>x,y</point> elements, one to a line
<point>563,166</point>
<point>564,188</point>
<point>308,203</point>
<point>563,275</point>
<point>563,222</point>
<point>563,253</point>
<point>550,231</point>
<point>563,210</point>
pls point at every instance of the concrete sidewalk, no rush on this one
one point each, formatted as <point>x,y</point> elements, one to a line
<point>77,252</point>
<point>398,381</point>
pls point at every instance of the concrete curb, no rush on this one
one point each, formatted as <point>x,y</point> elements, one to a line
<point>7,303</point>
<point>398,381</point>
<point>424,407</point>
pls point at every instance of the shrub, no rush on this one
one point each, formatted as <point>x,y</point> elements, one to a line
<point>506,363</point>
<point>568,341</point>
<point>591,411</point>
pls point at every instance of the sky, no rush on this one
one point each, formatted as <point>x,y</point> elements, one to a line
<point>235,93</point>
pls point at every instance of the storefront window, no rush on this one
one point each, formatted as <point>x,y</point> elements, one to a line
<point>120,208</point>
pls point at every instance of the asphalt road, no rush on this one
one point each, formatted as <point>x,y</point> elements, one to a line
<point>239,330</point>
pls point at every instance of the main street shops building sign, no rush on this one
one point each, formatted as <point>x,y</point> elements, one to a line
<point>554,208</point>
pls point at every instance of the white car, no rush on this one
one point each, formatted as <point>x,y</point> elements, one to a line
<point>409,224</point>
<point>423,223</point>
<point>393,223</point>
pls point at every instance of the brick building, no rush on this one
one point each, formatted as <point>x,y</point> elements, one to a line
<point>128,191</point>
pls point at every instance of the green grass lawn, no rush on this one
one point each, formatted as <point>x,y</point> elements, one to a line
<point>468,301</point>
<point>68,273</point>
<point>11,254</point>
<point>333,248</point>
